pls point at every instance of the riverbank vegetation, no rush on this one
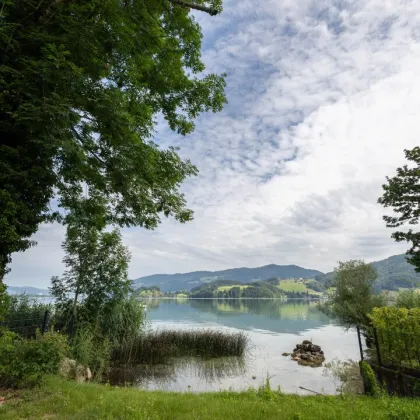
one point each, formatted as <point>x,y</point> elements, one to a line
<point>157,346</point>
<point>58,398</point>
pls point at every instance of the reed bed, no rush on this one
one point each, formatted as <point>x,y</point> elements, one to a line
<point>156,346</point>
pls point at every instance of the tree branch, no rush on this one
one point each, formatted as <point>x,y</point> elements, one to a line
<point>209,10</point>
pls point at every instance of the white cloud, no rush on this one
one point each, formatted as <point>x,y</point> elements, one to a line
<point>323,98</point>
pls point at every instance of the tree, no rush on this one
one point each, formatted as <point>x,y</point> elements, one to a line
<point>402,192</point>
<point>353,299</point>
<point>82,84</point>
<point>96,262</point>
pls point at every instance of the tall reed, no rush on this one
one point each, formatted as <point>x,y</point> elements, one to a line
<point>156,346</point>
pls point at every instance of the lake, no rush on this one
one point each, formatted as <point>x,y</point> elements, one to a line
<point>273,326</point>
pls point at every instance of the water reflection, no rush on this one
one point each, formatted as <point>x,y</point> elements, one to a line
<point>249,314</point>
<point>160,375</point>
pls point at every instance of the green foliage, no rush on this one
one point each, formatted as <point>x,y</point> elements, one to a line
<point>24,362</point>
<point>408,299</point>
<point>398,331</point>
<point>265,391</point>
<point>402,194</point>
<point>4,300</point>
<point>257,289</point>
<point>371,383</point>
<point>153,291</point>
<point>352,300</point>
<point>82,84</point>
<point>96,263</point>
<point>25,315</point>
<point>116,333</point>
<point>91,348</point>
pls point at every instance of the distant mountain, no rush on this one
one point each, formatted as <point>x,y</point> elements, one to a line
<point>187,281</point>
<point>27,290</point>
<point>393,273</point>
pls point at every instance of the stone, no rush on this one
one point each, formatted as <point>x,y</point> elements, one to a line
<point>70,369</point>
<point>308,354</point>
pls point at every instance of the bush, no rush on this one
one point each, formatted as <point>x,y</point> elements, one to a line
<point>24,362</point>
<point>25,315</point>
<point>4,300</point>
<point>398,331</point>
<point>408,299</point>
<point>371,384</point>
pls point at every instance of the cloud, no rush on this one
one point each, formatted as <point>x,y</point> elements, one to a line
<point>323,98</point>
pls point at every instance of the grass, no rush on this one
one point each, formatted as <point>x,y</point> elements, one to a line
<point>292,286</point>
<point>226,288</point>
<point>61,399</point>
<point>156,346</point>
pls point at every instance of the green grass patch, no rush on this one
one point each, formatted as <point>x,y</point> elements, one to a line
<point>226,288</point>
<point>61,399</point>
<point>294,286</point>
<point>156,346</point>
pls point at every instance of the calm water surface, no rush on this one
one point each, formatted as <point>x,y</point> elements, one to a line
<point>273,326</point>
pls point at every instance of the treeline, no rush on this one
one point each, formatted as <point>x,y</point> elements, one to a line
<point>229,289</point>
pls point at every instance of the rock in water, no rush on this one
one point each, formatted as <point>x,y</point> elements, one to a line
<point>308,354</point>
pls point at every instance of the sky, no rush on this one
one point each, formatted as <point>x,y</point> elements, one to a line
<point>324,96</point>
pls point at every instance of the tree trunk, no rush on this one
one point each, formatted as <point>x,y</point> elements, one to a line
<point>210,11</point>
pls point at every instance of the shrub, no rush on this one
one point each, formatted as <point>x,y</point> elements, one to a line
<point>24,362</point>
<point>408,299</point>
<point>398,331</point>
<point>4,300</point>
<point>371,384</point>
<point>25,315</point>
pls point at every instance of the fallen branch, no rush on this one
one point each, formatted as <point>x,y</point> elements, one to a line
<point>306,389</point>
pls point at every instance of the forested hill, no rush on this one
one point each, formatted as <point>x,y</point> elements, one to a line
<point>187,281</point>
<point>393,273</point>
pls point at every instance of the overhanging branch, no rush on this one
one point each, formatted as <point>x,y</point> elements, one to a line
<point>209,10</point>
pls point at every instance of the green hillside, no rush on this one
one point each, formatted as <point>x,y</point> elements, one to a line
<point>188,281</point>
<point>393,273</point>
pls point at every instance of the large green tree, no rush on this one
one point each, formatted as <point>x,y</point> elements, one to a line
<point>352,299</point>
<point>82,84</point>
<point>402,193</point>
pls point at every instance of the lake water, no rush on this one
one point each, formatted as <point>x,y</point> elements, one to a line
<point>273,326</point>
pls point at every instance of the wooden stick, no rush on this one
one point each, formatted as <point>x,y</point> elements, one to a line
<point>306,389</point>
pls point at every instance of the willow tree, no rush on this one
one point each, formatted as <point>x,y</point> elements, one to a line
<point>402,194</point>
<point>82,84</point>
